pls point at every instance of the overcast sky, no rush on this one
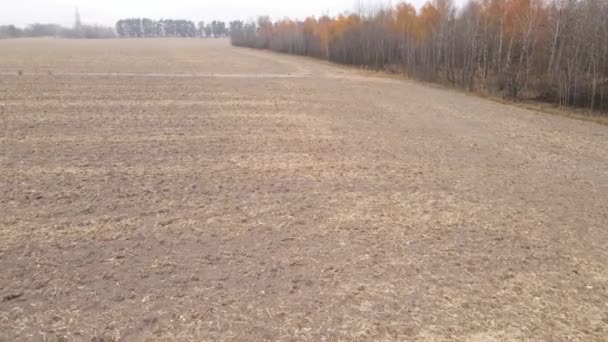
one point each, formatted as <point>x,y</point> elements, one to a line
<point>107,12</point>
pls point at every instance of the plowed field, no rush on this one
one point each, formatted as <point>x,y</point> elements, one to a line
<point>186,190</point>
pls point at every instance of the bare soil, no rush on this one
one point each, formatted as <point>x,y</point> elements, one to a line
<point>186,190</point>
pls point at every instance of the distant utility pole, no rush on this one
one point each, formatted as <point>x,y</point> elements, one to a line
<point>77,22</point>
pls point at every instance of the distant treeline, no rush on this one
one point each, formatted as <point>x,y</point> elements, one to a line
<point>55,30</point>
<point>144,27</point>
<point>128,28</point>
<point>549,50</point>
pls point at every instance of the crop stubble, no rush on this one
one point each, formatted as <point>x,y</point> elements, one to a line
<point>295,200</point>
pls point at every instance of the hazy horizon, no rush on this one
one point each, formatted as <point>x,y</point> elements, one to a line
<point>108,12</point>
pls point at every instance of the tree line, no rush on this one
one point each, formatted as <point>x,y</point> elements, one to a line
<point>549,50</point>
<point>145,28</point>
<point>128,28</point>
<point>54,30</point>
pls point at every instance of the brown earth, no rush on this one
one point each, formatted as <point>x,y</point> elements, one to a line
<point>187,190</point>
